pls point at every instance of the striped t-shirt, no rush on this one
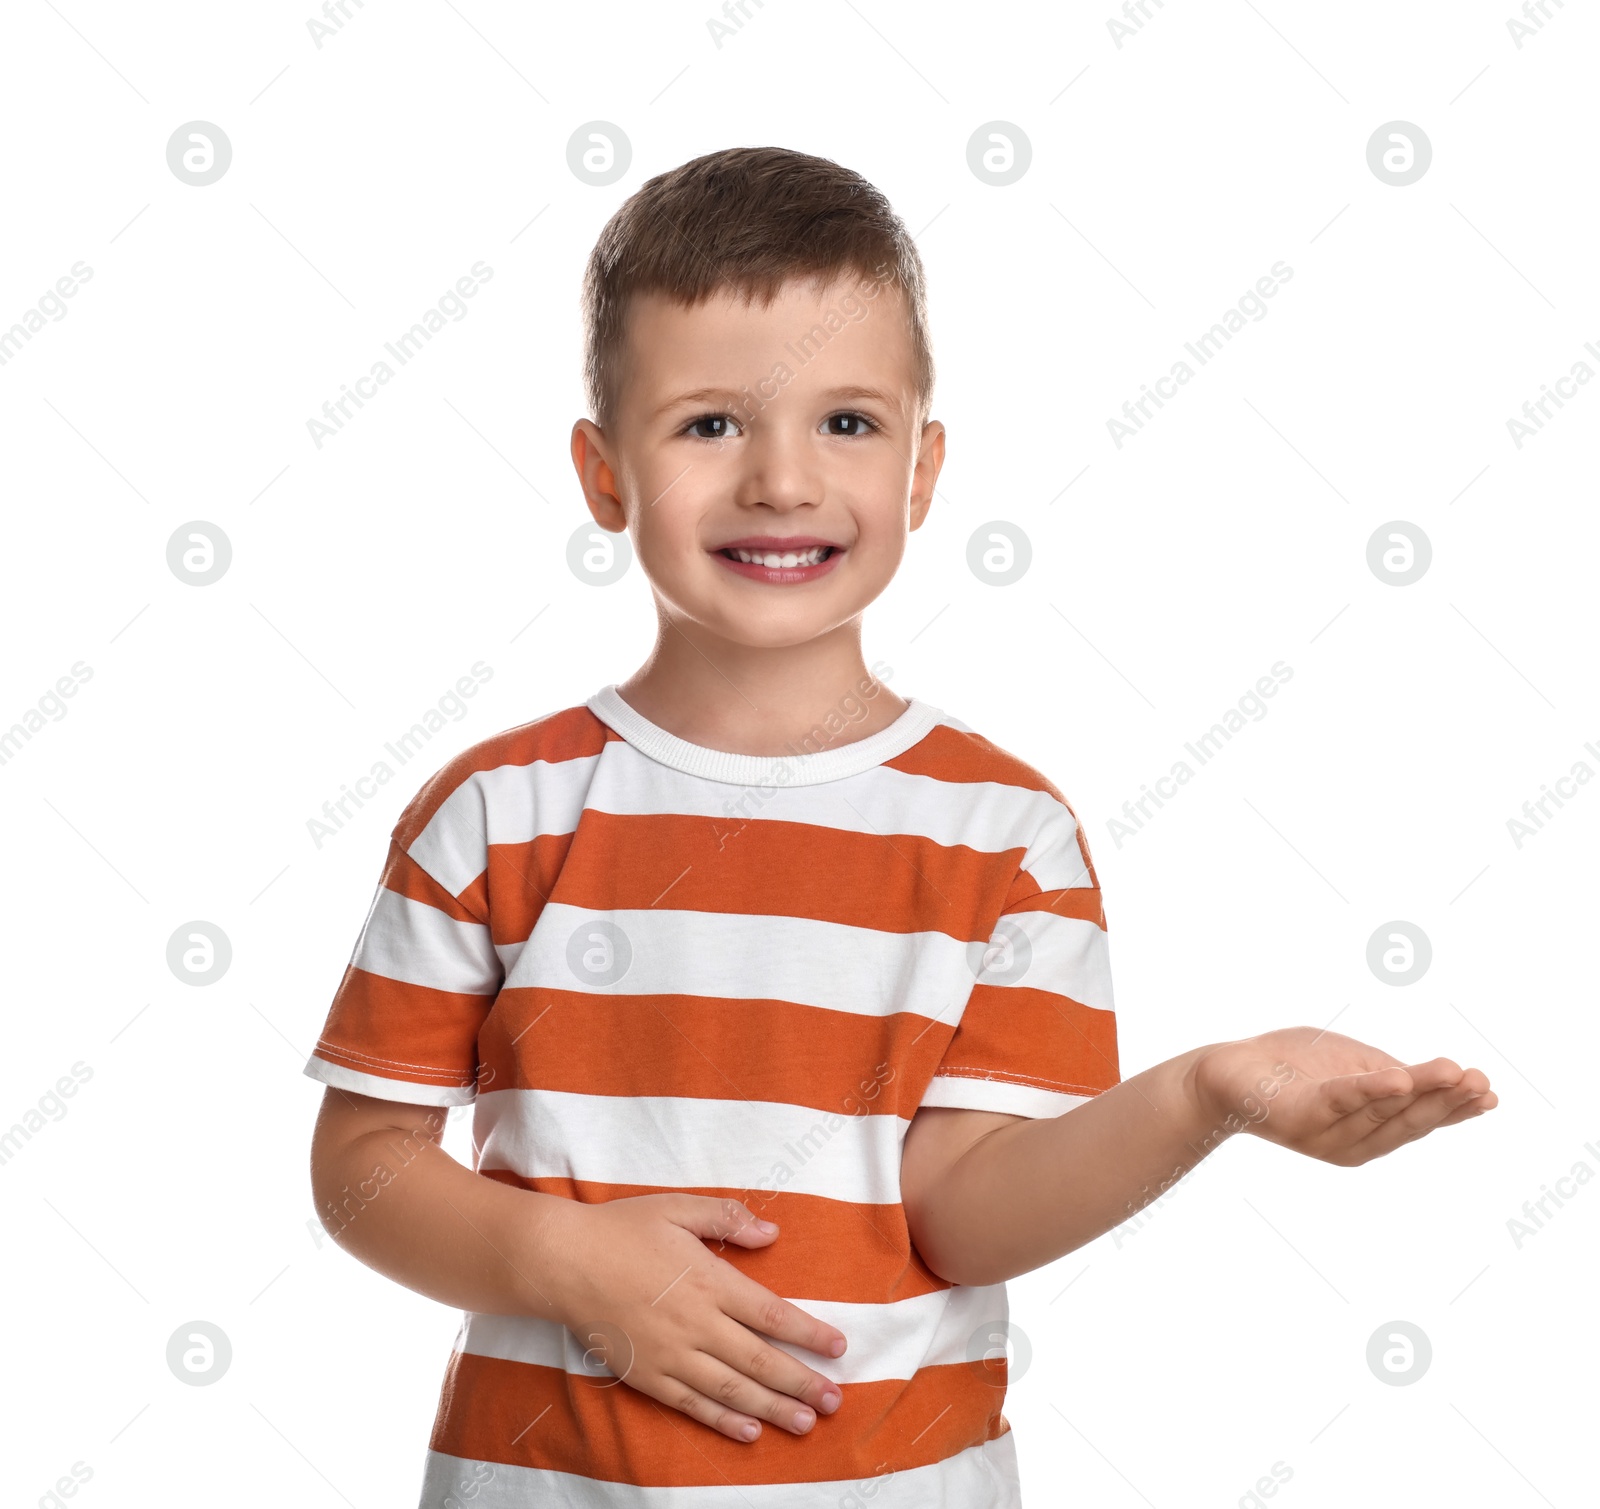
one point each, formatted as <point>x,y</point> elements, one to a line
<point>656,966</point>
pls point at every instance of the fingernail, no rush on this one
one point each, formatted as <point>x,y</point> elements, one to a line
<point>837,1349</point>
<point>830,1402</point>
<point>766,1226</point>
<point>751,1431</point>
<point>804,1419</point>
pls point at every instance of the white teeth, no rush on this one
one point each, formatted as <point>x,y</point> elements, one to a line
<point>771,559</point>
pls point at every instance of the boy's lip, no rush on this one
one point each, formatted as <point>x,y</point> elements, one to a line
<point>780,543</point>
<point>768,547</point>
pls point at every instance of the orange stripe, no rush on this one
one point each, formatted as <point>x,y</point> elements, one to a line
<point>426,1036</point>
<point>756,868</point>
<point>711,1048</point>
<point>1083,849</point>
<point>518,881</point>
<point>566,735</point>
<point>404,876</point>
<point>1082,902</point>
<point>1008,1031</point>
<point>526,1415</point>
<point>475,899</point>
<point>826,1249</point>
<point>947,754</point>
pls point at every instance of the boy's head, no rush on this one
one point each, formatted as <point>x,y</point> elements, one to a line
<point>744,220</point>
<point>758,369</point>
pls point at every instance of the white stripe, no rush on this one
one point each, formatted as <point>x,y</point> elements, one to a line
<point>511,804</point>
<point>889,1340</point>
<point>1054,859</point>
<point>673,1141</point>
<point>985,815</point>
<point>508,954</point>
<point>416,943</point>
<point>403,1090</point>
<point>514,804</point>
<point>968,1094</point>
<point>737,956</point>
<point>1067,955</point>
<point>864,971</point>
<point>981,1477</point>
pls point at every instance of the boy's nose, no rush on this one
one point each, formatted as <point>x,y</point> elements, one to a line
<point>780,472</point>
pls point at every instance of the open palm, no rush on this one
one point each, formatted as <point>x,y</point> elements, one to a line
<point>1331,1097</point>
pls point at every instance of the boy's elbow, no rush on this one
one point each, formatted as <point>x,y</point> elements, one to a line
<point>949,1234</point>
<point>938,1237</point>
<point>344,1176</point>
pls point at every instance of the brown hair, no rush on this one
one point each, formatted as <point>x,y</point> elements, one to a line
<point>747,219</point>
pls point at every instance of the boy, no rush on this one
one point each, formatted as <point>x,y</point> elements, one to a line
<point>750,944</point>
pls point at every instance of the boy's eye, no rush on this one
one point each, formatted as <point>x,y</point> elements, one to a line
<point>711,427</point>
<point>848,424</point>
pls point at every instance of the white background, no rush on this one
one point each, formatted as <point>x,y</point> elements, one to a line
<point>1167,175</point>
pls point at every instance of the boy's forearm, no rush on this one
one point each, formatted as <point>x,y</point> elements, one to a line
<point>1030,1191</point>
<point>402,1205</point>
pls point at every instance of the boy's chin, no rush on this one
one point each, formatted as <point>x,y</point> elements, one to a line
<point>770,630</point>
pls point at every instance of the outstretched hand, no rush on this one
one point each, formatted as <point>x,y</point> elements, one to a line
<point>1331,1097</point>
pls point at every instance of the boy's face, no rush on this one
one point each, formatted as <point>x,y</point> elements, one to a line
<point>734,422</point>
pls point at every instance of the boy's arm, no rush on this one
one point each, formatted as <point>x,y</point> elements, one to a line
<point>988,1196</point>
<point>385,1190</point>
<point>633,1277</point>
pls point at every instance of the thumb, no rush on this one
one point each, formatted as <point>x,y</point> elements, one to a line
<point>721,1219</point>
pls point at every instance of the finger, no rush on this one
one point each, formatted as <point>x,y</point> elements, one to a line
<point>1474,1107</point>
<point>721,1220</point>
<point>1435,1074</point>
<point>1465,1082</point>
<point>1418,1119</point>
<point>759,1308</point>
<point>679,1395</point>
<point>733,1387</point>
<point>772,1371</point>
<point>1355,1137</point>
<point>1348,1094</point>
<point>1431,1109</point>
<point>1385,1092</point>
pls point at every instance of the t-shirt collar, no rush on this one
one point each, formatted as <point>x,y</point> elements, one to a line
<point>803,768</point>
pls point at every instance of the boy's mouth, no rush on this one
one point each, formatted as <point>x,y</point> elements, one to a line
<point>780,561</point>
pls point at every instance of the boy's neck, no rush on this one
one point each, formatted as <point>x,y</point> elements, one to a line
<point>757,701</point>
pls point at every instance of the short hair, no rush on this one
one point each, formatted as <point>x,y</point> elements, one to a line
<point>746,220</point>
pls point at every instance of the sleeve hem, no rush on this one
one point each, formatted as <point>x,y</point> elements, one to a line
<point>969,1094</point>
<point>404,1090</point>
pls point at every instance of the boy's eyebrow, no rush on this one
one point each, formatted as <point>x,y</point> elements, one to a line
<point>729,397</point>
<point>733,398</point>
<point>877,394</point>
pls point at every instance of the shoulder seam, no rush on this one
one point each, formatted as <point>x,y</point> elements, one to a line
<point>457,898</point>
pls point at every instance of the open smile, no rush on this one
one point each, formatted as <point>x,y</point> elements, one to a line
<point>780,567</point>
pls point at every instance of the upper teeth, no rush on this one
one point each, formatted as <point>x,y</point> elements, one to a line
<point>812,557</point>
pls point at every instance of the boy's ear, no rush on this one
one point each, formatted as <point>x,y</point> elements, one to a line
<point>590,458</point>
<point>925,474</point>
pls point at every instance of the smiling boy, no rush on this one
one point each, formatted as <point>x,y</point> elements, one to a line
<point>783,1001</point>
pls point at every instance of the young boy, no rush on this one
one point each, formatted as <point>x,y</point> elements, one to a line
<point>782,1001</point>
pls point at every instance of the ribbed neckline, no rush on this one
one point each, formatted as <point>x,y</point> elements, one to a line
<point>805,769</point>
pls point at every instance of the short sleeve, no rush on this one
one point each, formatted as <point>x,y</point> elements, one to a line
<point>405,1019</point>
<point>1038,1035</point>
